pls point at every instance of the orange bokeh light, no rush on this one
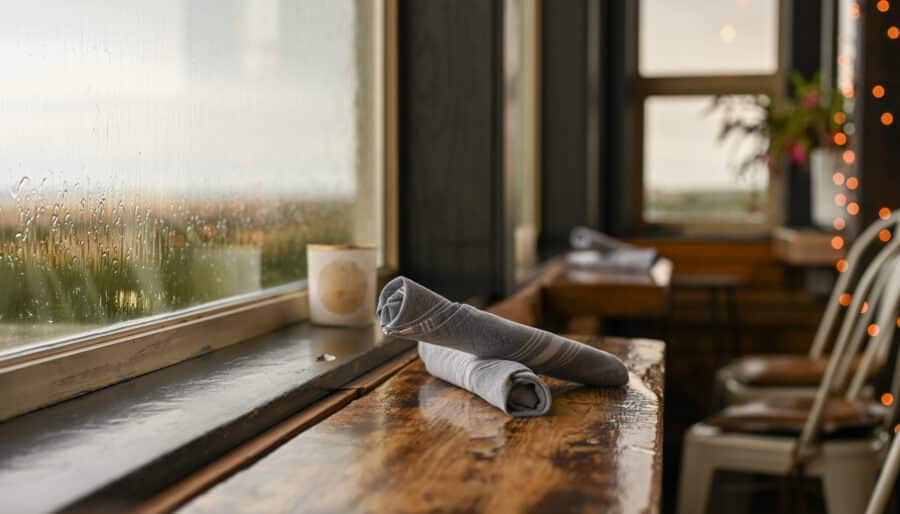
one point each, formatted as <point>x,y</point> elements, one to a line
<point>884,235</point>
<point>840,118</point>
<point>840,138</point>
<point>841,265</point>
<point>849,156</point>
<point>893,32</point>
<point>839,223</point>
<point>840,199</point>
<point>837,242</point>
<point>887,118</point>
<point>878,91</point>
<point>845,299</point>
<point>887,399</point>
<point>883,5</point>
<point>853,208</point>
<point>884,213</point>
<point>872,330</point>
<point>852,183</point>
<point>864,308</point>
<point>897,428</point>
<point>838,178</point>
<point>854,9</point>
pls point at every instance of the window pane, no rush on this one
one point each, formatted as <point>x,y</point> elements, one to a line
<point>708,37</point>
<point>158,155</point>
<point>691,176</point>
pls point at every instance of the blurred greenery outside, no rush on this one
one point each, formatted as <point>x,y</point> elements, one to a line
<point>63,272</point>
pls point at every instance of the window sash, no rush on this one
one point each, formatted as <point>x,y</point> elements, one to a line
<point>45,373</point>
<point>772,85</point>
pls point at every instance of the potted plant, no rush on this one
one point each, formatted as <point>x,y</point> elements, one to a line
<point>805,129</point>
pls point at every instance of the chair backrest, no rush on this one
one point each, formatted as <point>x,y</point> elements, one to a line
<point>845,282</point>
<point>887,478</point>
<point>887,303</point>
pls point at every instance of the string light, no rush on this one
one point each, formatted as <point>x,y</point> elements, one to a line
<point>838,178</point>
<point>872,330</point>
<point>887,119</point>
<point>854,9</point>
<point>852,183</point>
<point>847,91</point>
<point>845,299</point>
<point>898,322</point>
<point>840,118</point>
<point>839,223</point>
<point>864,308</point>
<point>893,32</point>
<point>884,235</point>
<point>849,156</point>
<point>897,428</point>
<point>837,242</point>
<point>883,5</point>
<point>840,199</point>
<point>853,208</point>
<point>887,399</point>
<point>841,265</point>
<point>840,138</point>
<point>878,91</point>
<point>884,213</point>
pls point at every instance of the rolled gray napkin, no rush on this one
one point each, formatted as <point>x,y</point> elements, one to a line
<point>509,386</point>
<point>584,238</point>
<point>412,311</point>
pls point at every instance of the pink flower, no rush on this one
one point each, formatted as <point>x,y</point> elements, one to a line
<point>798,154</point>
<point>812,99</point>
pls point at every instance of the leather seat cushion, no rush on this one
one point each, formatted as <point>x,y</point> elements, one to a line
<point>783,370</point>
<point>788,415</point>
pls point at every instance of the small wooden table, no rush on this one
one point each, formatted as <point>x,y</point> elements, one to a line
<point>417,444</point>
<point>582,292</point>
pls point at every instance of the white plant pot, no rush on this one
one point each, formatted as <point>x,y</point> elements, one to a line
<point>823,164</point>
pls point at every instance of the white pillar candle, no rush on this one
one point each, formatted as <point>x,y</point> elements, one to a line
<point>341,284</point>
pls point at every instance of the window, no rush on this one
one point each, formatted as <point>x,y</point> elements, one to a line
<point>689,53</point>
<point>159,157</point>
<point>521,129</point>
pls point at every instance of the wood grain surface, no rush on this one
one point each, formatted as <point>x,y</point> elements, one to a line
<point>417,444</point>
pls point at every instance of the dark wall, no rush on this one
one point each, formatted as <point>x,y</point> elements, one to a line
<point>450,153</point>
<point>878,146</point>
<point>570,131</point>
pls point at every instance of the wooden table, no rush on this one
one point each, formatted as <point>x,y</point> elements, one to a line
<point>582,292</point>
<point>416,444</point>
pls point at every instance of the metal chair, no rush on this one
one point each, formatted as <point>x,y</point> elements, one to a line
<point>738,390</point>
<point>847,466</point>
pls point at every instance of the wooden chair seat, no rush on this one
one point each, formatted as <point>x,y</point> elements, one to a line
<point>783,370</point>
<point>783,416</point>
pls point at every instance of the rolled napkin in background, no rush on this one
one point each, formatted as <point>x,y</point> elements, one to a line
<point>507,385</point>
<point>409,310</point>
<point>584,238</point>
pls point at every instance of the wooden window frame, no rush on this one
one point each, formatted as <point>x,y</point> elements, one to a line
<point>40,375</point>
<point>642,88</point>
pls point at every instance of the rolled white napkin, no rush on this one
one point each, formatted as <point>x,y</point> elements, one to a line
<point>409,310</point>
<point>509,386</point>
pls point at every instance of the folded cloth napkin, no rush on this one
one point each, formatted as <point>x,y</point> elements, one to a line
<point>624,260</point>
<point>409,310</point>
<point>584,238</point>
<point>507,385</point>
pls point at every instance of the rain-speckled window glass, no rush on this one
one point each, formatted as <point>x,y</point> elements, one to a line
<point>708,37</point>
<point>160,155</point>
<point>690,175</point>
